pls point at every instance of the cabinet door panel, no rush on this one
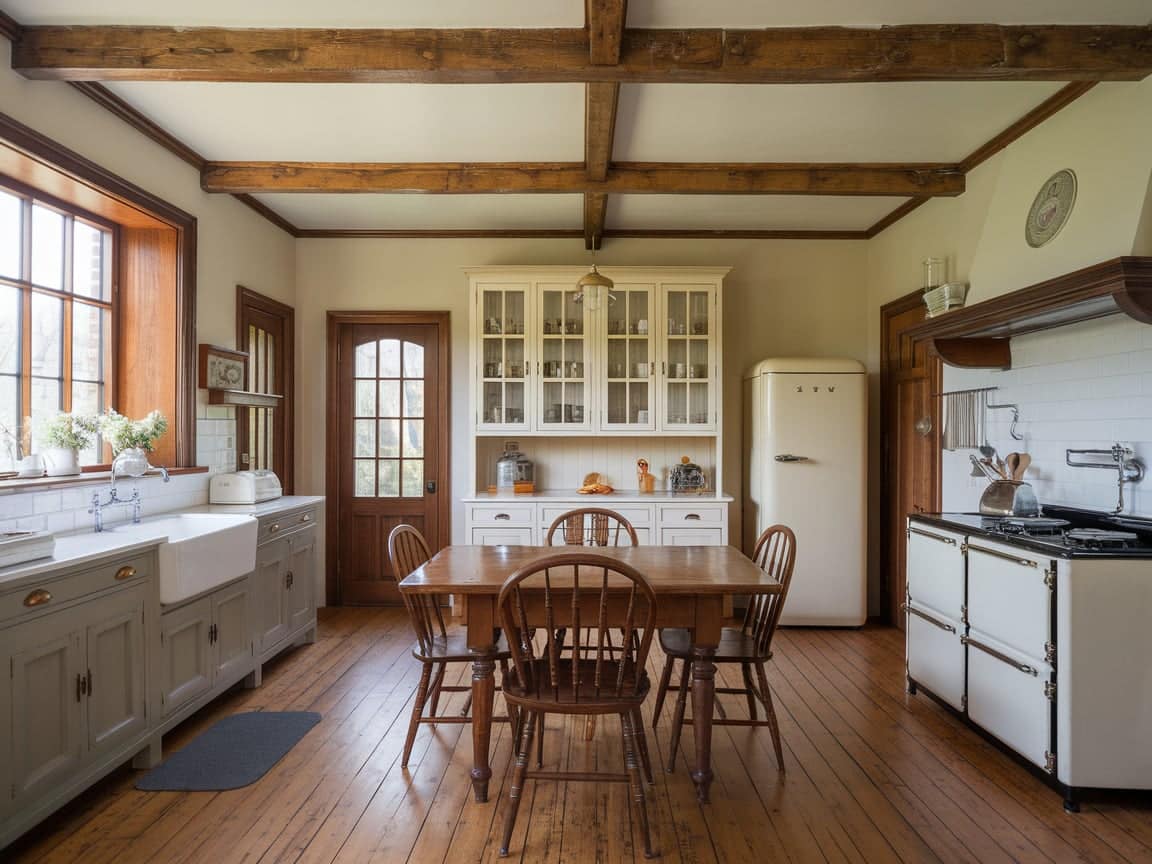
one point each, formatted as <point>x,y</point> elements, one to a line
<point>936,569</point>
<point>688,326</point>
<point>503,346</point>
<point>502,536</point>
<point>691,536</point>
<point>232,654</point>
<point>115,672</point>
<point>301,569</point>
<point>271,607</point>
<point>47,735</point>
<point>186,665</point>
<point>936,654</point>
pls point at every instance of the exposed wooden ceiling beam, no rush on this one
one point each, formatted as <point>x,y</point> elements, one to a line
<point>938,52</point>
<point>605,30</point>
<point>605,35</point>
<point>926,180</point>
<point>595,213</point>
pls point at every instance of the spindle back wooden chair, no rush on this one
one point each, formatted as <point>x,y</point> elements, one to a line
<point>575,591</point>
<point>435,646</point>
<point>591,526</point>
<point>750,646</point>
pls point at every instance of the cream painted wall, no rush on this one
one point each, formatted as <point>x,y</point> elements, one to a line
<point>235,244</point>
<point>781,298</point>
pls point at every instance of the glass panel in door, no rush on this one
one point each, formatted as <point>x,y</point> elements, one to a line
<point>629,361</point>
<point>563,359</point>
<point>688,359</point>
<point>503,362</point>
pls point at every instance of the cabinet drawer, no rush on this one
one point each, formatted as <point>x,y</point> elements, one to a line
<point>507,514</point>
<point>691,515</point>
<point>691,537</point>
<point>52,592</point>
<point>278,525</point>
<point>936,654</point>
<point>1008,596</point>
<point>936,568</point>
<point>501,536</point>
<point>637,515</point>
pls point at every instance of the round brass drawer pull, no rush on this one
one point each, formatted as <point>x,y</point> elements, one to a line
<point>274,528</point>
<point>37,598</point>
<point>125,573</point>
<point>306,517</point>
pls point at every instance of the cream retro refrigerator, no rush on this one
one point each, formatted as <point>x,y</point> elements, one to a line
<point>805,444</point>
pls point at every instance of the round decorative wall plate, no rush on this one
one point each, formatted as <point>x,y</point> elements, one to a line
<point>1051,207</point>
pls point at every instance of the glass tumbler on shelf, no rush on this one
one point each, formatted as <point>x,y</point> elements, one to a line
<point>935,272</point>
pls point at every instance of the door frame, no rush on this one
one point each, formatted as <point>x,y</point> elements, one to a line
<point>247,298</point>
<point>441,320</point>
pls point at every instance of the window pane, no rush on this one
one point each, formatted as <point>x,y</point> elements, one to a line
<point>89,339</point>
<point>89,261</point>
<point>86,400</point>
<point>9,329</point>
<point>389,478</point>
<point>413,360</point>
<point>10,235</point>
<point>413,398</point>
<point>365,478</point>
<point>413,438</point>
<point>9,421</point>
<point>389,358</point>
<point>413,485</point>
<point>47,334</point>
<point>389,438</point>
<point>47,247</point>
<point>389,398</point>
<point>365,437</point>
<point>365,399</point>
<point>45,398</point>
<point>366,360</point>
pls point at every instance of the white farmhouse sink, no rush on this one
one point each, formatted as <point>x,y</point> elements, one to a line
<point>203,550</point>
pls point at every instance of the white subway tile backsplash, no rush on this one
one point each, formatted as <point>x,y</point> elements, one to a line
<point>1085,386</point>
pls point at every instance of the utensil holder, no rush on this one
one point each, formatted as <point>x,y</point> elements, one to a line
<point>1009,498</point>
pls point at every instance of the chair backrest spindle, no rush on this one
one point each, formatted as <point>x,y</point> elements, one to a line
<point>407,550</point>
<point>775,553</point>
<point>591,526</point>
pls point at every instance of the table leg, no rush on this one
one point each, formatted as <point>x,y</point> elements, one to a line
<point>703,702</point>
<point>483,695</point>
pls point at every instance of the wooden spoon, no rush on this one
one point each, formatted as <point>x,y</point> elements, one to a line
<point>1012,464</point>
<point>1022,465</point>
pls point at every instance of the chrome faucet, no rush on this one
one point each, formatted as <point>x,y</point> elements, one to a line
<point>1128,468</point>
<point>97,508</point>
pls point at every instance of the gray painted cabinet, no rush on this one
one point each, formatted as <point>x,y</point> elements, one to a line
<point>299,605</point>
<point>271,572</point>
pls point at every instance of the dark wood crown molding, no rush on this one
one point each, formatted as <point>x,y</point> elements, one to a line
<point>936,52</point>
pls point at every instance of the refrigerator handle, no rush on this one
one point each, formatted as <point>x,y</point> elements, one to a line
<point>788,457</point>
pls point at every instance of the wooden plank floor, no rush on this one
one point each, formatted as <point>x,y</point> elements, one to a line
<point>873,776</point>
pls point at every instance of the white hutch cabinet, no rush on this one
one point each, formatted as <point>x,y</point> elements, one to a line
<point>645,365</point>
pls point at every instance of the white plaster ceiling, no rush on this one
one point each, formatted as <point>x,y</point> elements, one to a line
<point>926,122</point>
<point>429,212</point>
<point>747,212</point>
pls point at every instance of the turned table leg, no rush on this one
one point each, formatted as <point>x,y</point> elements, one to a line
<point>703,702</point>
<point>480,615</point>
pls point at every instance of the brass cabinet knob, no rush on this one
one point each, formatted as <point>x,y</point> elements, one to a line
<point>275,527</point>
<point>37,598</point>
<point>126,572</point>
<point>307,517</point>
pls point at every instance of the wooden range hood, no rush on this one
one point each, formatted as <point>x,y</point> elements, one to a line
<point>979,336</point>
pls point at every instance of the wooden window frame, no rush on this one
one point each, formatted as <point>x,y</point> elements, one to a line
<point>284,436</point>
<point>157,242</point>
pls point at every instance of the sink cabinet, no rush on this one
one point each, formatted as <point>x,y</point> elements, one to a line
<point>284,582</point>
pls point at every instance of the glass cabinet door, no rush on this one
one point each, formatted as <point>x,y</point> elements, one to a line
<point>503,361</point>
<point>629,359</point>
<point>563,359</point>
<point>689,358</point>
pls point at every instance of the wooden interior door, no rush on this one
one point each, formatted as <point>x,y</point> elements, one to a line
<point>910,382</point>
<point>388,450</point>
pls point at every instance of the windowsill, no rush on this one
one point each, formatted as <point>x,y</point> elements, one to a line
<point>32,484</point>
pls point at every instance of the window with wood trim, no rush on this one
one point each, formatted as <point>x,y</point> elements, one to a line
<point>56,316</point>
<point>265,330</point>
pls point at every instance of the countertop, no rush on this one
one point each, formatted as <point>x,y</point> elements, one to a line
<point>977,525</point>
<point>123,538</point>
<point>620,495</point>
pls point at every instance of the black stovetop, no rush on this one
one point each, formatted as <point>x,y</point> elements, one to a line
<point>1086,534</point>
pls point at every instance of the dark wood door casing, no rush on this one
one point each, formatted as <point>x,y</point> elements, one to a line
<point>341,514</point>
<point>274,316</point>
<point>911,376</point>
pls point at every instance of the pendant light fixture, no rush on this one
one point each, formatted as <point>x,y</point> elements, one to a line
<point>589,286</point>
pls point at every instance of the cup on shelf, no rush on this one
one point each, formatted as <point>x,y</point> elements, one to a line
<point>639,370</point>
<point>677,370</point>
<point>642,327</point>
<point>642,415</point>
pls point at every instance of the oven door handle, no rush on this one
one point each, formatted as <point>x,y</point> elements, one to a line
<point>912,610</point>
<point>940,537</point>
<point>1003,658</point>
<point>1005,556</point>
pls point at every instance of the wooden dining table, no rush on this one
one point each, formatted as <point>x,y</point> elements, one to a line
<point>690,583</point>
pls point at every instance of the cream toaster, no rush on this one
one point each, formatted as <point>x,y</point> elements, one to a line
<point>244,487</point>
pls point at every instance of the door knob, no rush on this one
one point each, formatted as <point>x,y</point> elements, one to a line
<point>430,487</point>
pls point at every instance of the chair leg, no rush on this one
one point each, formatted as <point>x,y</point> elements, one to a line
<point>437,683</point>
<point>678,717</point>
<point>518,775</point>
<point>513,712</point>
<point>417,709</point>
<point>662,690</point>
<point>746,669</point>
<point>628,727</point>
<point>642,740</point>
<point>773,726</point>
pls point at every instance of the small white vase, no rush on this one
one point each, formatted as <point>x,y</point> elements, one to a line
<point>61,461</point>
<point>130,462</point>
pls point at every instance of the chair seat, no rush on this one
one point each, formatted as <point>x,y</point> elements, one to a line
<point>735,645</point>
<point>454,648</point>
<point>587,700</point>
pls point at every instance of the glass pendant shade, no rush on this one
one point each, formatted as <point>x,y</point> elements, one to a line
<point>590,284</point>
